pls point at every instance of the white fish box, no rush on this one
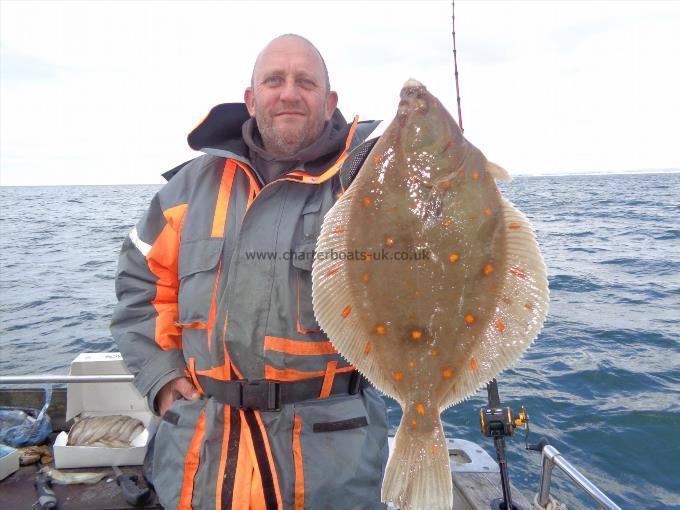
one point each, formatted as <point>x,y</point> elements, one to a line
<point>9,461</point>
<point>102,399</point>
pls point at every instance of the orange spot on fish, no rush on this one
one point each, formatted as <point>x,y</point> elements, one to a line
<point>434,353</point>
<point>333,270</point>
<point>475,175</point>
<point>469,319</point>
<point>339,230</point>
<point>376,159</point>
<point>488,269</point>
<point>413,422</point>
<point>528,306</point>
<point>500,325</point>
<point>389,242</point>
<point>364,317</point>
<point>367,201</point>
<point>518,273</point>
<point>338,194</point>
<point>487,211</point>
<point>446,222</point>
<point>369,256</point>
<point>513,226</point>
<point>365,277</point>
<point>453,257</point>
<point>380,329</point>
<point>446,184</point>
<point>346,311</point>
<point>473,364</point>
<point>398,376</point>
<point>447,372</point>
<point>420,409</point>
<point>416,335</point>
<point>417,293</point>
<point>411,363</point>
<point>367,348</point>
<point>434,449</point>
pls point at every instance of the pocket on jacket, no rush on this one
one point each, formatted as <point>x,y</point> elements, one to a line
<point>197,270</point>
<point>341,454</point>
<point>302,262</point>
<point>173,437</point>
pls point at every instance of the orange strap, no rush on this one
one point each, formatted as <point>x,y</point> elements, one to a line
<point>327,385</point>
<point>220,216</point>
<point>298,347</point>
<point>191,369</point>
<point>191,463</point>
<point>299,466</point>
<point>162,260</point>
<point>306,178</point>
<point>290,374</point>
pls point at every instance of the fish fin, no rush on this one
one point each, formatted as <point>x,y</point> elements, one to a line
<point>498,172</point>
<point>418,473</point>
<point>332,295</point>
<point>522,308</point>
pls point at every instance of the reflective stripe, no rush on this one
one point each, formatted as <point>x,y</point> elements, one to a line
<point>290,374</point>
<point>299,466</point>
<point>191,463</point>
<point>328,377</point>
<point>299,347</point>
<point>143,247</point>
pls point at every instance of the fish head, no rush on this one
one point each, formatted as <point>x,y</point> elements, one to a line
<point>429,137</point>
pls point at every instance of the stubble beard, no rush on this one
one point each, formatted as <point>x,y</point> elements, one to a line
<point>285,143</point>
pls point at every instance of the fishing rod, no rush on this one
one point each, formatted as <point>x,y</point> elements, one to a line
<point>455,62</point>
<point>496,422</point>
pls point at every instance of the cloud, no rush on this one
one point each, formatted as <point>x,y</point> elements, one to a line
<point>17,67</point>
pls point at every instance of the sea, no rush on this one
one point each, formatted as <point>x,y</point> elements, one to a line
<point>601,383</point>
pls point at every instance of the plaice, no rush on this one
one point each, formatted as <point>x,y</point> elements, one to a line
<point>444,288</point>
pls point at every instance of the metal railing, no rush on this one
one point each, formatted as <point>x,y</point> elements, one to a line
<point>551,457</point>
<point>57,379</point>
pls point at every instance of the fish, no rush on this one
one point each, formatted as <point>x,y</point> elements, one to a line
<point>113,431</point>
<point>32,454</point>
<point>446,286</point>
<point>73,477</point>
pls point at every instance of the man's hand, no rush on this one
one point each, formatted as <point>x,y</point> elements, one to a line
<point>177,388</point>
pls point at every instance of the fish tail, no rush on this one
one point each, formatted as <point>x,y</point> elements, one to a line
<point>418,476</point>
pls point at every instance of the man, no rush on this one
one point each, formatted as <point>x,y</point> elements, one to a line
<point>215,316</point>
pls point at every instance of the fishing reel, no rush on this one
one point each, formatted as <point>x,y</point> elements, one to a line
<point>497,421</point>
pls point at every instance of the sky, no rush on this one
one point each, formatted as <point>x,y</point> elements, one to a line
<point>106,92</point>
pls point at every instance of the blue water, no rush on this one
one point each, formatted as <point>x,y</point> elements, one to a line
<point>602,381</point>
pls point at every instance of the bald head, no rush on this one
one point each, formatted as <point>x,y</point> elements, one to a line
<point>302,40</point>
<point>289,95</point>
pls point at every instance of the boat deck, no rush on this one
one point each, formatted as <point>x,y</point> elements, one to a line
<point>18,492</point>
<point>476,481</point>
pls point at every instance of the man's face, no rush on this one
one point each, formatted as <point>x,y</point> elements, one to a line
<point>289,98</point>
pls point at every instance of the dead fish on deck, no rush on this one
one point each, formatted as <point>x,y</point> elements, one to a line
<point>115,431</point>
<point>73,477</point>
<point>32,454</point>
<point>428,331</point>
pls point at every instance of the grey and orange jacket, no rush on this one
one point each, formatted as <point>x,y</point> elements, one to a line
<point>214,283</point>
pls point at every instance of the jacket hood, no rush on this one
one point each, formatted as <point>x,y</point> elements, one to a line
<point>221,129</point>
